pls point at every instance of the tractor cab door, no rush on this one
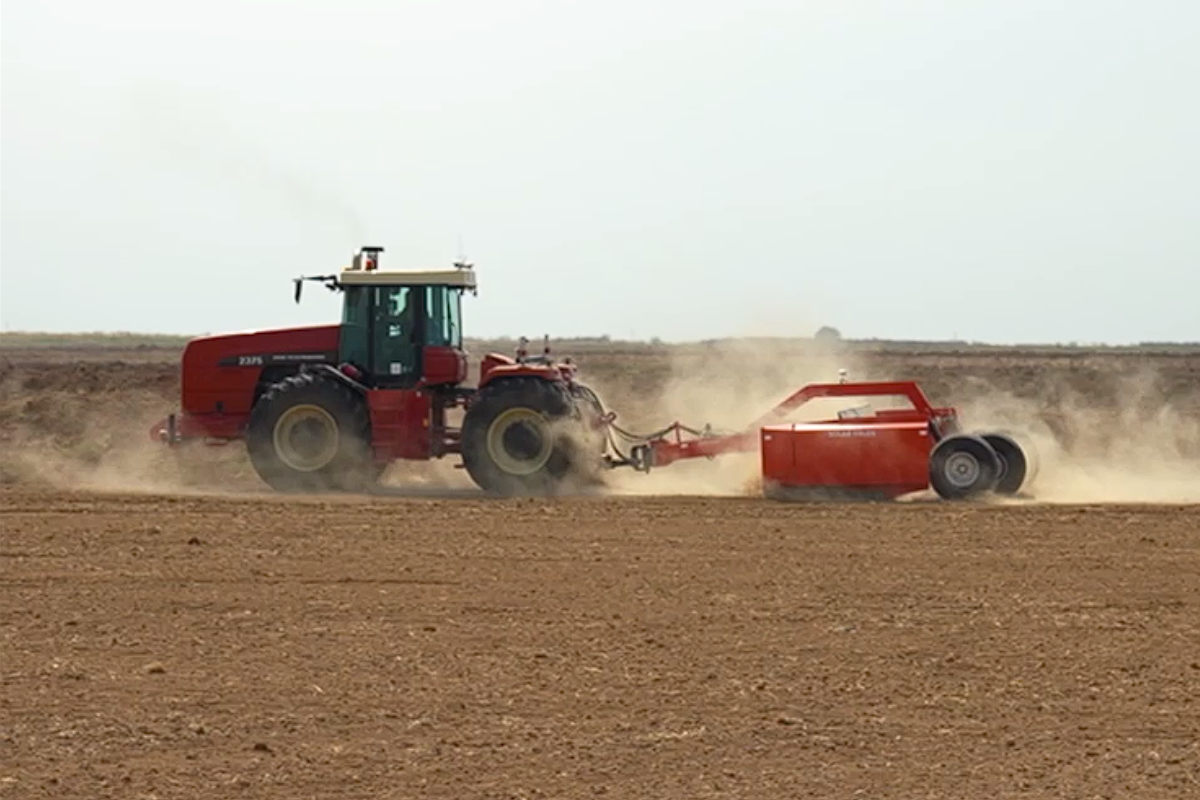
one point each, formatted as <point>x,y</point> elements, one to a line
<point>397,337</point>
<point>382,334</point>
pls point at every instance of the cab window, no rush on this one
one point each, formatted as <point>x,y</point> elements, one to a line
<point>397,312</point>
<point>444,305</point>
<point>354,346</point>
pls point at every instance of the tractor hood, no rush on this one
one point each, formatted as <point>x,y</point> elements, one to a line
<point>315,344</point>
<point>220,373</point>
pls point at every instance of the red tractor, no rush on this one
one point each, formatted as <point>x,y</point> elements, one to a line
<point>329,407</point>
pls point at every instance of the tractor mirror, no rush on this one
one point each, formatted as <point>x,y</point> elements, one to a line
<point>299,284</point>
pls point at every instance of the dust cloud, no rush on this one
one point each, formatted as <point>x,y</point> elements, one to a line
<point>1143,449</point>
<point>112,454</point>
<point>1133,440</point>
<point>114,458</point>
<point>727,385</point>
<point>1083,448</point>
<point>86,426</point>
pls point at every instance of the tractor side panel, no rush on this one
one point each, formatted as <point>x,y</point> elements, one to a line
<point>778,453</point>
<point>400,423</point>
<point>444,366</point>
<point>220,373</point>
<point>892,457</point>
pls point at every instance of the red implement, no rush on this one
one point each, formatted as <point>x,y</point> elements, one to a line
<point>871,460</point>
<point>861,452</point>
<point>664,450</point>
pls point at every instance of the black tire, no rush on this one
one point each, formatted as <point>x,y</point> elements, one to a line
<point>1014,466</point>
<point>591,408</point>
<point>312,433</point>
<point>963,466</point>
<point>524,436</point>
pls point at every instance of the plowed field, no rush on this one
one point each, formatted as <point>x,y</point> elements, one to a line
<point>172,631</point>
<point>159,647</point>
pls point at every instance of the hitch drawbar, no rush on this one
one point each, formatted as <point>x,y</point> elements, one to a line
<point>641,458</point>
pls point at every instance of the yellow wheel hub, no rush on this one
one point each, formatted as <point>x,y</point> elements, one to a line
<point>306,438</point>
<point>520,441</point>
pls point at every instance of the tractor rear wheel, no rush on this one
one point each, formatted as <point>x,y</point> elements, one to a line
<point>311,433</point>
<point>1014,467</point>
<point>524,436</point>
<point>963,466</point>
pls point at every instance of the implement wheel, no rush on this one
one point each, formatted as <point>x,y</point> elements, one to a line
<point>522,436</point>
<point>1014,466</point>
<point>963,466</point>
<point>310,433</point>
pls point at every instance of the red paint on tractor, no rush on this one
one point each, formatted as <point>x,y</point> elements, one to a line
<point>443,366</point>
<point>219,373</point>
<point>400,424</point>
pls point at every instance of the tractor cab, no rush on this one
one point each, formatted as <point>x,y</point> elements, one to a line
<point>401,329</point>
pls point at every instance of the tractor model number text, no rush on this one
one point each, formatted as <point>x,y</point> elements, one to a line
<point>851,434</point>
<point>250,361</point>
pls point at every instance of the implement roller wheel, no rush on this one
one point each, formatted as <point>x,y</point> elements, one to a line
<point>963,466</point>
<point>1014,466</point>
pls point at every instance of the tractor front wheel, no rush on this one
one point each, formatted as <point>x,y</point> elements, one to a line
<point>523,436</point>
<point>310,433</point>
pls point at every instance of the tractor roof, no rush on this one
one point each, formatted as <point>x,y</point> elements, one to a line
<point>460,278</point>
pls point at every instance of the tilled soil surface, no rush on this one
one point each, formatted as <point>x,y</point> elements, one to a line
<point>213,647</point>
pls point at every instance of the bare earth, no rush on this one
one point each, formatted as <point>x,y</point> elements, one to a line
<point>216,641</point>
<point>158,647</point>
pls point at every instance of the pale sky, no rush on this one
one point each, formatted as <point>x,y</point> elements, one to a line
<point>1003,171</point>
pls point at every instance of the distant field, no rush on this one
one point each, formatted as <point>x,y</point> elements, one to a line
<point>90,341</point>
<point>119,341</point>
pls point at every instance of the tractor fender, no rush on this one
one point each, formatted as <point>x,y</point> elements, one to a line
<point>500,372</point>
